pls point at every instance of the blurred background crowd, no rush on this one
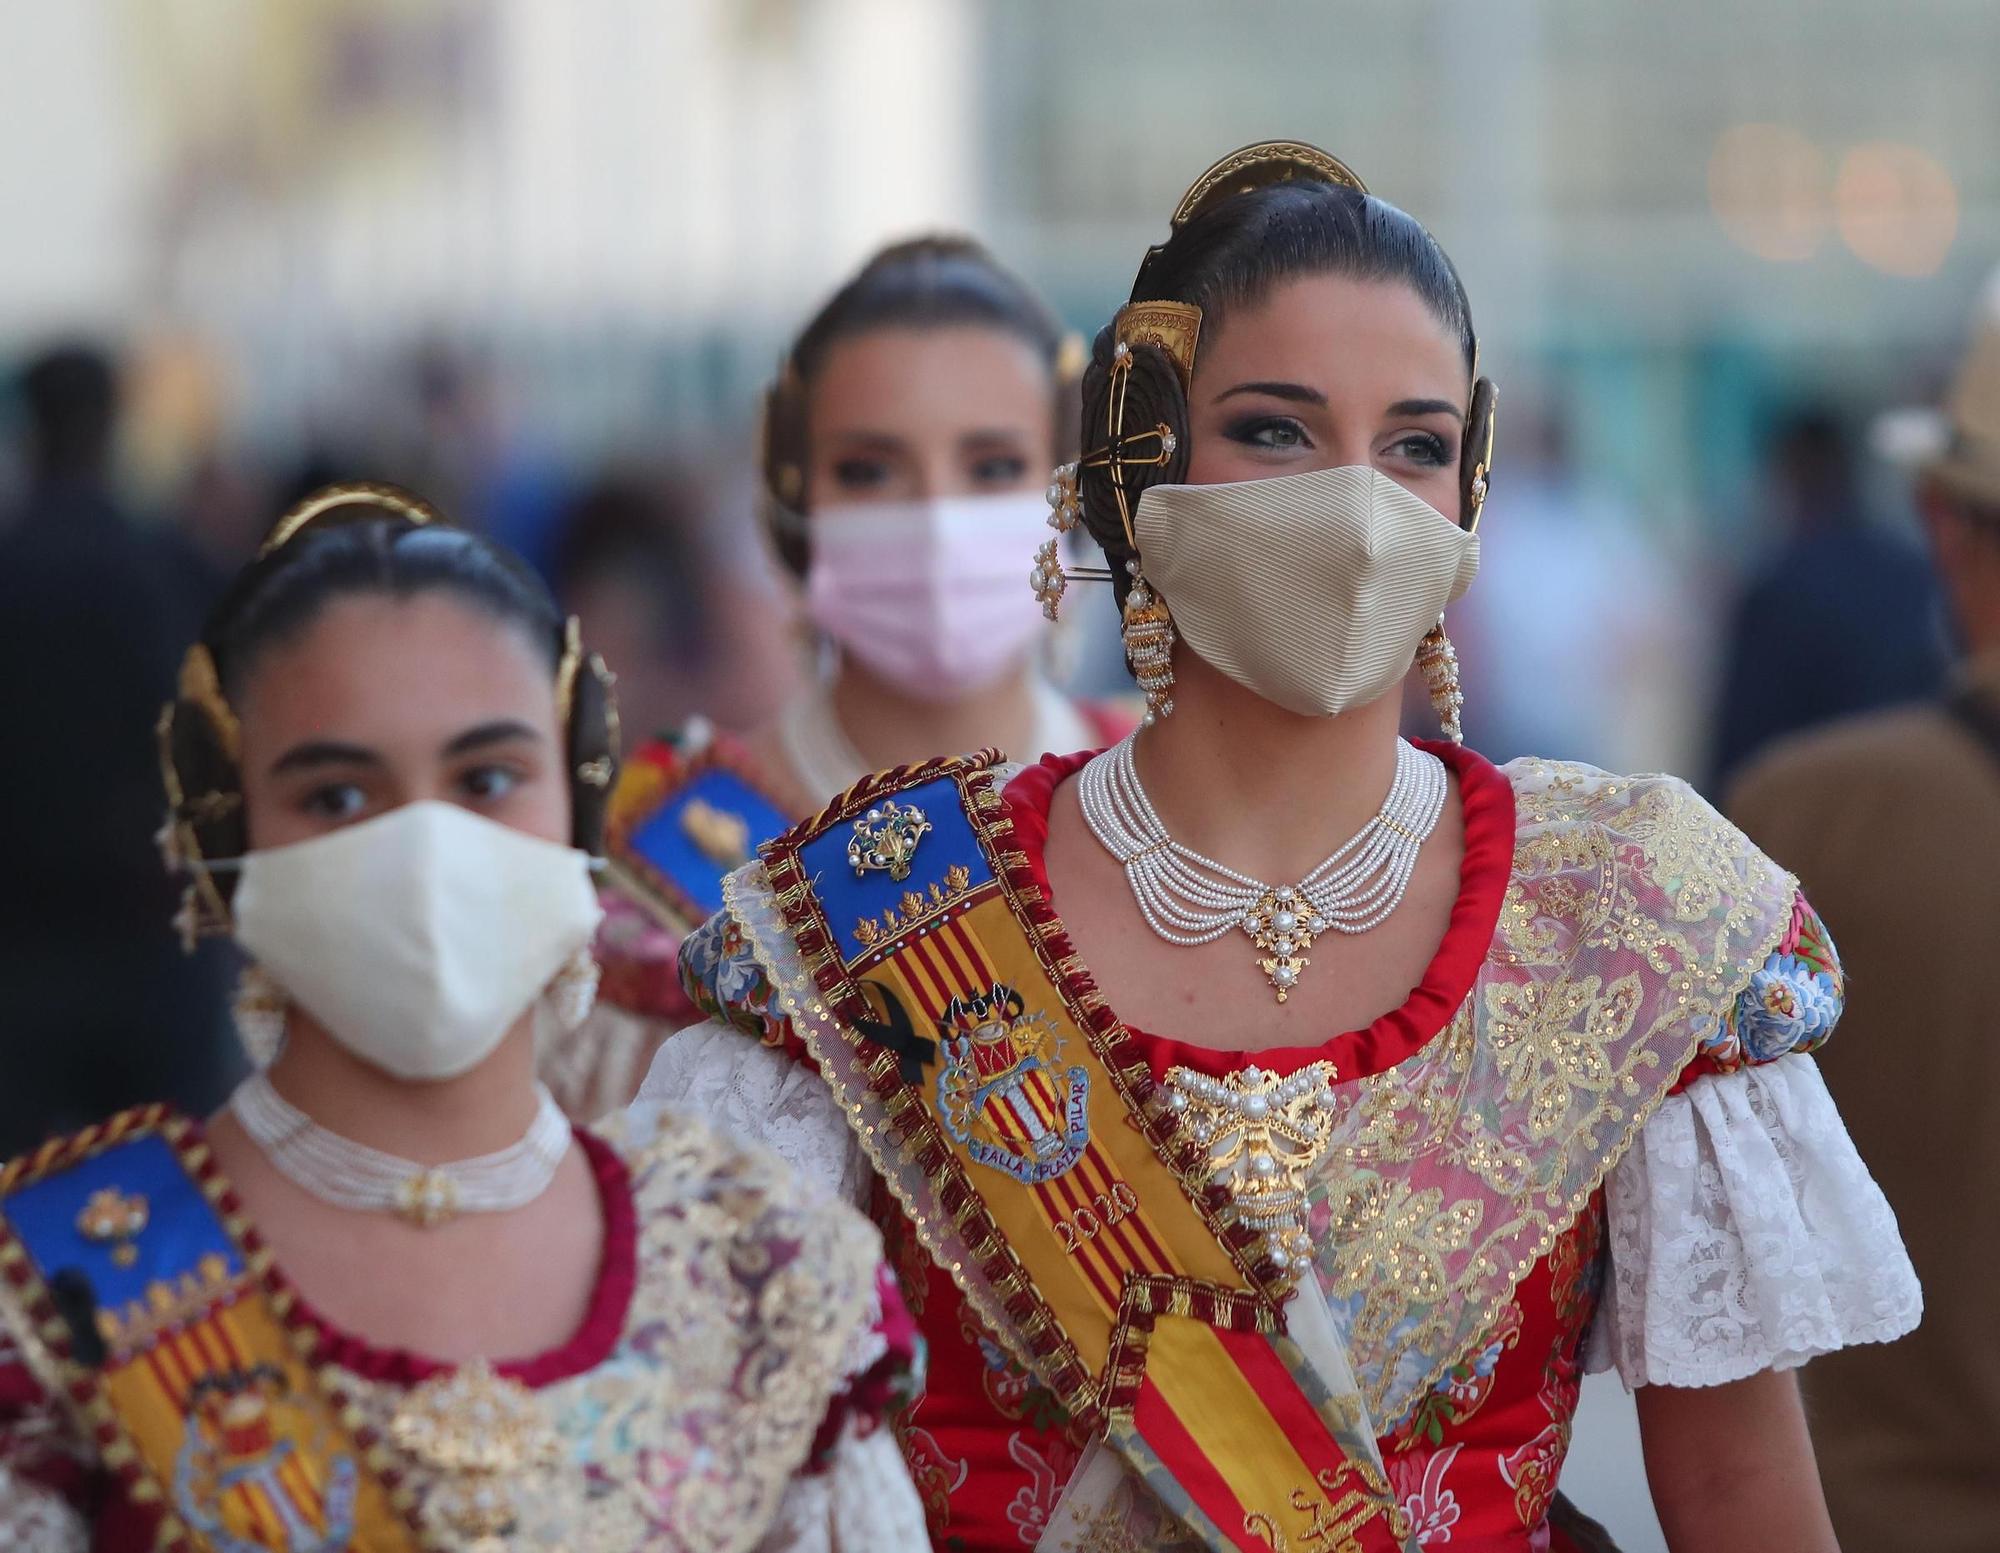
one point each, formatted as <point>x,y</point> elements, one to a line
<point>535,259</point>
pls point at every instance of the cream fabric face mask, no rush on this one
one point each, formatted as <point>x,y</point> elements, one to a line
<point>1314,591</point>
<point>416,938</point>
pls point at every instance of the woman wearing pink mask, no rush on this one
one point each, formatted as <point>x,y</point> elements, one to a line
<point>390,1298</point>
<point>1281,1115</point>
<point>907,443</point>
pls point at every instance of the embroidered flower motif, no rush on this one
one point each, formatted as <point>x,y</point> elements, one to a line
<point>1417,1481</point>
<point>1787,1007</point>
<point>1532,1471</point>
<point>1029,1510</point>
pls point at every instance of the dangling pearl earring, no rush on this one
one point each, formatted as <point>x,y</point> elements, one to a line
<point>573,992</point>
<point>258,1009</point>
<point>1438,660</point>
<point>1149,645</point>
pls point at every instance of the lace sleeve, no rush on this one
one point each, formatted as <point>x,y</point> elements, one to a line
<point>1745,1234</point>
<point>761,1094</point>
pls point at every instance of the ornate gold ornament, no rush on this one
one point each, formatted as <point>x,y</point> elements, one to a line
<point>1283,926</point>
<point>718,834</point>
<point>1265,1135</point>
<point>428,1200</point>
<point>914,908</point>
<point>886,839</point>
<point>483,1435</point>
<point>115,1219</point>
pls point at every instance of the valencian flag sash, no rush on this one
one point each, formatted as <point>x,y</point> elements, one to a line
<point>1094,1234</point>
<point>180,1349</point>
<point>680,821</point>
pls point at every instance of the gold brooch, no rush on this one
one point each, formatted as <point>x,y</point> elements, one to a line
<point>1264,1135</point>
<point>481,1433</point>
<point>112,1218</point>
<point>428,1199</point>
<point>717,834</point>
<point>885,839</point>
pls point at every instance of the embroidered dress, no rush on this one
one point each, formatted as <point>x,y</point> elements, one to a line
<point>727,1388</point>
<point>1593,1137</point>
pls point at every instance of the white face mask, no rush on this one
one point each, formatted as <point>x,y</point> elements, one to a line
<point>1314,590</point>
<point>927,595</point>
<point>419,937</point>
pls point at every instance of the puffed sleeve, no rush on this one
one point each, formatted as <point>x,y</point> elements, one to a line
<point>43,1469</point>
<point>1742,1229</point>
<point>746,1072</point>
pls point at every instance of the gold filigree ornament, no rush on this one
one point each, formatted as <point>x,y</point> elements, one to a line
<point>1283,926</point>
<point>1265,1134</point>
<point>886,840</point>
<point>720,835</point>
<point>115,1219</point>
<point>487,1440</point>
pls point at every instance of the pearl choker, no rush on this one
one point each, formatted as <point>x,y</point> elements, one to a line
<point>1189,899</point>
<point>352,1175</point>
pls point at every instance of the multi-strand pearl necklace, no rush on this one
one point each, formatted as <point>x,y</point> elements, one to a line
<point>347,1174</point>
<point>1189,899</point>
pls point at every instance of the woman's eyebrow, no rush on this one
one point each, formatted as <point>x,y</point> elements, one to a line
<point>1298,393</point>
<point>1427,407</point>
<point>324,752</point>
<point>502,730</point>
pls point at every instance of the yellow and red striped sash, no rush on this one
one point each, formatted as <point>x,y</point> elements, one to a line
<point>121,1253</point>
<point>1088,1217</point>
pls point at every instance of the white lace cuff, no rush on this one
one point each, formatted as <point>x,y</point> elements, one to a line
<point>759,1094</point>
<point>1745,1234</point>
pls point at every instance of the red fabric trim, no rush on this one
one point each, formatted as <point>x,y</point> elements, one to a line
<point>1488,800</point>
<point>590,1345</point>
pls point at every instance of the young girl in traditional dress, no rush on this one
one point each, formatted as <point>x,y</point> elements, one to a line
<point>390,1298</point>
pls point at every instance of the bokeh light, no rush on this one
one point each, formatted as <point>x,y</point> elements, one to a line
<point>1897,208</point>
<point>1768,186</point>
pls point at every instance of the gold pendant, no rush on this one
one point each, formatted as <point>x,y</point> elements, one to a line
<point>112,1218</point>
<point>1283,925</point>
<point>1265,1135</point>
<point>428,1199</point>
<point>486,1438</point>
<point>886,839</point>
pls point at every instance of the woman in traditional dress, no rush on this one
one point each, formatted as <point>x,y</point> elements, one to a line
<point>1275,1118</point>
<point>390,1298</point>
<point>907,442</point>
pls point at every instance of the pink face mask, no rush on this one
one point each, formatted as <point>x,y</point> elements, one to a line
<point>931,596</point>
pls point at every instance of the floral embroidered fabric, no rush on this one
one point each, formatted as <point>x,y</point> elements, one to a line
<point>1645,956</point>
<point>732,1404</point>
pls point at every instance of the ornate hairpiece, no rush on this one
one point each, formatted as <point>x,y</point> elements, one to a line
<point>200,684</point>
<point>391,499</point>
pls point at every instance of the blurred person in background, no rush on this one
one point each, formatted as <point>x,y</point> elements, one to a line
<point>1267,1020</point>
<point>1893,823</point>
<point>1528,689</point>
<point>908,442</point>
<point>389,1298</point>
<point>1842,614</point>
<point>100,1007</point>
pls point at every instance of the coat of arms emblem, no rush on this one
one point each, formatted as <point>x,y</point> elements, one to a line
<point>1003,1090</point>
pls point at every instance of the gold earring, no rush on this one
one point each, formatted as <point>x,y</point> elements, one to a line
<point>1438,660</point>
<point>1149,645</point>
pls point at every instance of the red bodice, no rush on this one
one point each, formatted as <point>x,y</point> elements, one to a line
<point>1474,1464</point>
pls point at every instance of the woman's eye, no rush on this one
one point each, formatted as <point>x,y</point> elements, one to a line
<point>1278,432</point>
<point>488,783</point>
<point>335,801</point>
<point>859,474</point>
<point>999,469</point>
<point>1422,448</point>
